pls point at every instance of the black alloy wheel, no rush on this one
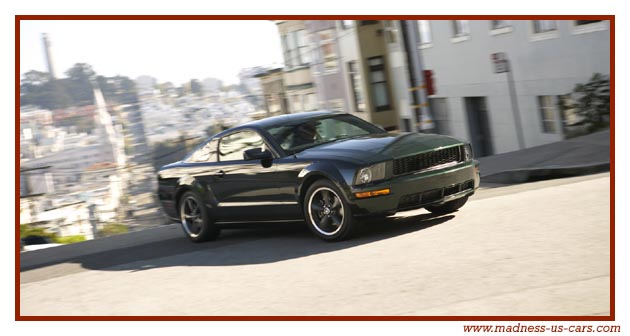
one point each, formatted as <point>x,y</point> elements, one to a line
<point>195,219</point>
<point>327,213</point>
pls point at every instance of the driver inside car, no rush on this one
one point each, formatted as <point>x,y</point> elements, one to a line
<point>305,134</point>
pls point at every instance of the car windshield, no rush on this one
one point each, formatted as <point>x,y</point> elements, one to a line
<point>298,136</point>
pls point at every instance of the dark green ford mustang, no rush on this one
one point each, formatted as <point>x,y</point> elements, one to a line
<point>329,169</point>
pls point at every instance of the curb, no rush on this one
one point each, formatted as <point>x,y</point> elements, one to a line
<point>529,174</point>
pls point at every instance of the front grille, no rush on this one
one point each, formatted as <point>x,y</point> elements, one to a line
<point>419,199</point>
<point>428,160</point>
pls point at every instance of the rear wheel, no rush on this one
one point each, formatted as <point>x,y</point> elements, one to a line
<point>195,219</point>
<point>327,213</point>
<point>447,207</point>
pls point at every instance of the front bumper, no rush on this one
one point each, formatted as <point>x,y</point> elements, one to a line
<point>417,190</point>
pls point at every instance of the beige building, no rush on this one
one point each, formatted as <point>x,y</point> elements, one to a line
<point>364,54</point>
<point>272,84</point>
<point>341,66</point>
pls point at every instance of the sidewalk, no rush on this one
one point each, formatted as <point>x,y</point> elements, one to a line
<point>578,156</point>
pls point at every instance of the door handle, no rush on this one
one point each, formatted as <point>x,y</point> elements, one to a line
<point>220,173</point>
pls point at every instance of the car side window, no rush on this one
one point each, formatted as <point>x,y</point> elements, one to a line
<point>207,153</point>
<point>233,146</point>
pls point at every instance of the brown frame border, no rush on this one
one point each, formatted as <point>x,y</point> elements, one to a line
<point>611,317</point>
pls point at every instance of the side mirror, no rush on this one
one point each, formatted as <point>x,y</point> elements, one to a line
<point>257,154</point>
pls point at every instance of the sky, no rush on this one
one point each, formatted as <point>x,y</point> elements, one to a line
<point>168,50</point>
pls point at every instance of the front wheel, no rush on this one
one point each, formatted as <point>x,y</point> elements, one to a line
<point>195,219</point>
<point>327,213</point>
<point>447,207</point>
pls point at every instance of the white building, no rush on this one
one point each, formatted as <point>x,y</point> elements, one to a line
<point>211,85</point>
<point>146,85</point>
<point>547,59</point>
<point>77,152</point>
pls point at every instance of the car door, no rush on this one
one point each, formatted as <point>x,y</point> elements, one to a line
<point>246,190</point>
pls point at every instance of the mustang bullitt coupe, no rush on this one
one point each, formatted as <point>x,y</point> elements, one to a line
<point>331,170</point>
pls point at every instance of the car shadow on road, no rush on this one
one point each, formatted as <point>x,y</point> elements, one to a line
<point>266,244</point>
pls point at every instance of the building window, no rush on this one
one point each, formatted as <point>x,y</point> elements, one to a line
<point>287,48</point>
<point>347,24</point>
<point>391,33</point>
<point>498,24</point>
<point>424,31</point>
<point>544,26</point>
<point>295,48</point>
<point>296,104</point>
<point>310,102</point>
<point>273,103</point>
<point>368,22</point>
<point>498,27</point>
<point>328,52</point>
<point>460,28</point>
<point>587,26</point>
<point>302,44</point>
<point>378,83</point>
<point>585,22</point>
<point>547,114</point>
<point>355,82</point>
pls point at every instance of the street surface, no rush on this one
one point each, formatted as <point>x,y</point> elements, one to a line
<point>540,248</point>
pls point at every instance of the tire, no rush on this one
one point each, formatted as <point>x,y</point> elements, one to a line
<point>327,213</point>
<point>447,207</point>
<point>195,219</point>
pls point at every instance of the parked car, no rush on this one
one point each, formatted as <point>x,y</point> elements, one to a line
<point>329,169</point>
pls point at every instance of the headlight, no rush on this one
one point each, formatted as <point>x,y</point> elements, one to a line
<point>368,174</point>
<point>468,152</point>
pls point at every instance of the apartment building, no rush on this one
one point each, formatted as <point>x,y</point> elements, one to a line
<point>366,68</point>
<point>502,85</point>
<point>346,69</point>
<point>297,76</point>
<point>273,91</point>
<point>327,65</point>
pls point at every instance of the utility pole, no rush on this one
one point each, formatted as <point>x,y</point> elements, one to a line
<point>502,64</point>
<point>422,114</point>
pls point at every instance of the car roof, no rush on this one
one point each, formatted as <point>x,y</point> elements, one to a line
<point>286,118</point>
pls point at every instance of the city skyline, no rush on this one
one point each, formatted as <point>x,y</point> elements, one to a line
<point>164,49</point>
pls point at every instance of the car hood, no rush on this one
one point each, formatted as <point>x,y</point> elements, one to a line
<point>379,147</point>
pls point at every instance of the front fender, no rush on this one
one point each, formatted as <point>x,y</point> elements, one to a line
<point>339,173</point>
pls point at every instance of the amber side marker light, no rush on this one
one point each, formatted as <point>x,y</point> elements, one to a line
<point>366,194</point>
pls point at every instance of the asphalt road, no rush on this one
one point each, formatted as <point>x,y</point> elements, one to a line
<point>533,249</point>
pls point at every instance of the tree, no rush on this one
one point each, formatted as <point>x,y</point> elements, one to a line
<point>77,89</point>
<point>37,88</point>
<point>33,89</point>
<point>79,84</point>
<point>592,101</point>
<point>118,89</point>
<point>81,72</point>
<point>35,78</point>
